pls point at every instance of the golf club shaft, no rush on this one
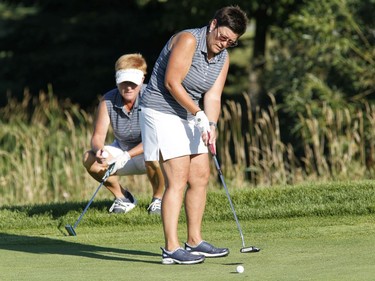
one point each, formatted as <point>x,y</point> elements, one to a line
<point>88,205</point>
<point>105,177</point>
<point>71,229</point>
<point>229,198</point>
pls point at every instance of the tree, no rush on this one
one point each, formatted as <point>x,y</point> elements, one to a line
<point>266,14</point>
<point>73,44</point>
<point>324,56</point>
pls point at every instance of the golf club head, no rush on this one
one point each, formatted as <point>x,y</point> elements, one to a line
<point>70,230</point>
<point>250,249</point>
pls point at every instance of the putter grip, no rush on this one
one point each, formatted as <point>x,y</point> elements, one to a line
<point>212,149</point>
<point>211,146</point>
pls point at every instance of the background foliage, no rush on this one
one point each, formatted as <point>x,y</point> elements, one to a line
<point>42,140</point>
<point>74,44</point>
<point>298,104</point>
<point>324,56</point>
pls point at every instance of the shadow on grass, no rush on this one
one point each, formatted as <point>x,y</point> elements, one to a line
<point>42,245</point>
<point>57,210</point>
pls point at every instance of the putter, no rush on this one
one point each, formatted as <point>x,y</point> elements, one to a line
<point>244,249</point>
<point>71,229</point>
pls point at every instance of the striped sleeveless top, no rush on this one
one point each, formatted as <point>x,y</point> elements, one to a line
<point>199,79</point>
<point>126,128</point>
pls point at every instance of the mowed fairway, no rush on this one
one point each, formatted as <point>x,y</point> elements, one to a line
<point>307,232</point>
<point>313,248</point>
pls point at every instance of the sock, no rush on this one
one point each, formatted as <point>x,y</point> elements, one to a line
<point>124,199</point>
<point>128,196</point>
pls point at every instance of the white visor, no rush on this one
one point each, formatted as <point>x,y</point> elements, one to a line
<point>129,75</point>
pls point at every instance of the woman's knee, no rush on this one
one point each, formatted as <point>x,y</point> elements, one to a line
<point>154,165</point>
<point>88,159</point>
<point>199,174</point>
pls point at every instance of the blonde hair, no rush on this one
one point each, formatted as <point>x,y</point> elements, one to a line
<point>127,61</point>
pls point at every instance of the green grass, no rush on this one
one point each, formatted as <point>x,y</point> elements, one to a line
<point>307,232</point>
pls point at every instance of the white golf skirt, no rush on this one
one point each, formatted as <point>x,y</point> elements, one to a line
<point>169,135</point>
<point>135,166</point>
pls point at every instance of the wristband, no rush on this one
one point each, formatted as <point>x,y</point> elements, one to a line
<point>197,112</point>
<point>212,124</point>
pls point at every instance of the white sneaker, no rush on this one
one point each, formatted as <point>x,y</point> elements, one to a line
<point>155,207</point>
<point>123,206</point>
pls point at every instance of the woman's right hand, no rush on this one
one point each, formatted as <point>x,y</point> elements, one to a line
<point>102,156</point>
<point>201,122</point>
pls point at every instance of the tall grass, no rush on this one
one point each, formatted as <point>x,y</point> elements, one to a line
<point>42,141</point>
<point>251,147</point>
<point>336,146</point>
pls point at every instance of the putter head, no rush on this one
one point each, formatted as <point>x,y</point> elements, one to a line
<point>250,249</point>
<point>70,230</point>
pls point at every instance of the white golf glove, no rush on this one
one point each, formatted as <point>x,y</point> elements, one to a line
<point>119,161</point>
<point>201,122</point>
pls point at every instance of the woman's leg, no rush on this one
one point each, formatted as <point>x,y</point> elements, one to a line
<point>97,171</point>
<point>195,199</point>
<point>176,173</point>
<point>155,176</point>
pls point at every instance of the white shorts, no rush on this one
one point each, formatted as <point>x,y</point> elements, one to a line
<point>135,166</point>
<point>169,135</point>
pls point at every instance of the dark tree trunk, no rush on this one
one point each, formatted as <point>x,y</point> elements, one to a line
<point>256,90</point>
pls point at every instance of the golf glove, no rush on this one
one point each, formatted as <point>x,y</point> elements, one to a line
<point>201,122</point>
<point>119,161</point>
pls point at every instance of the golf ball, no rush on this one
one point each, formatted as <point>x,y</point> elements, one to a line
<point>105,154</point>
<point>240,269</point>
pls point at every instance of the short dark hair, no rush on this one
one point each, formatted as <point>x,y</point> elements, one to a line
<point>232,17</point>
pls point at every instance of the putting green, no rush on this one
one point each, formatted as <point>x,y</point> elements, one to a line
<point>328,248</point>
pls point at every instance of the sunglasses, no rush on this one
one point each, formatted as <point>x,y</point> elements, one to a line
<point>230,43</point>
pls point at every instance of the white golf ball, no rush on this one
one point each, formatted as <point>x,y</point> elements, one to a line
<point>105,154</point>
<point>240,269</point>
